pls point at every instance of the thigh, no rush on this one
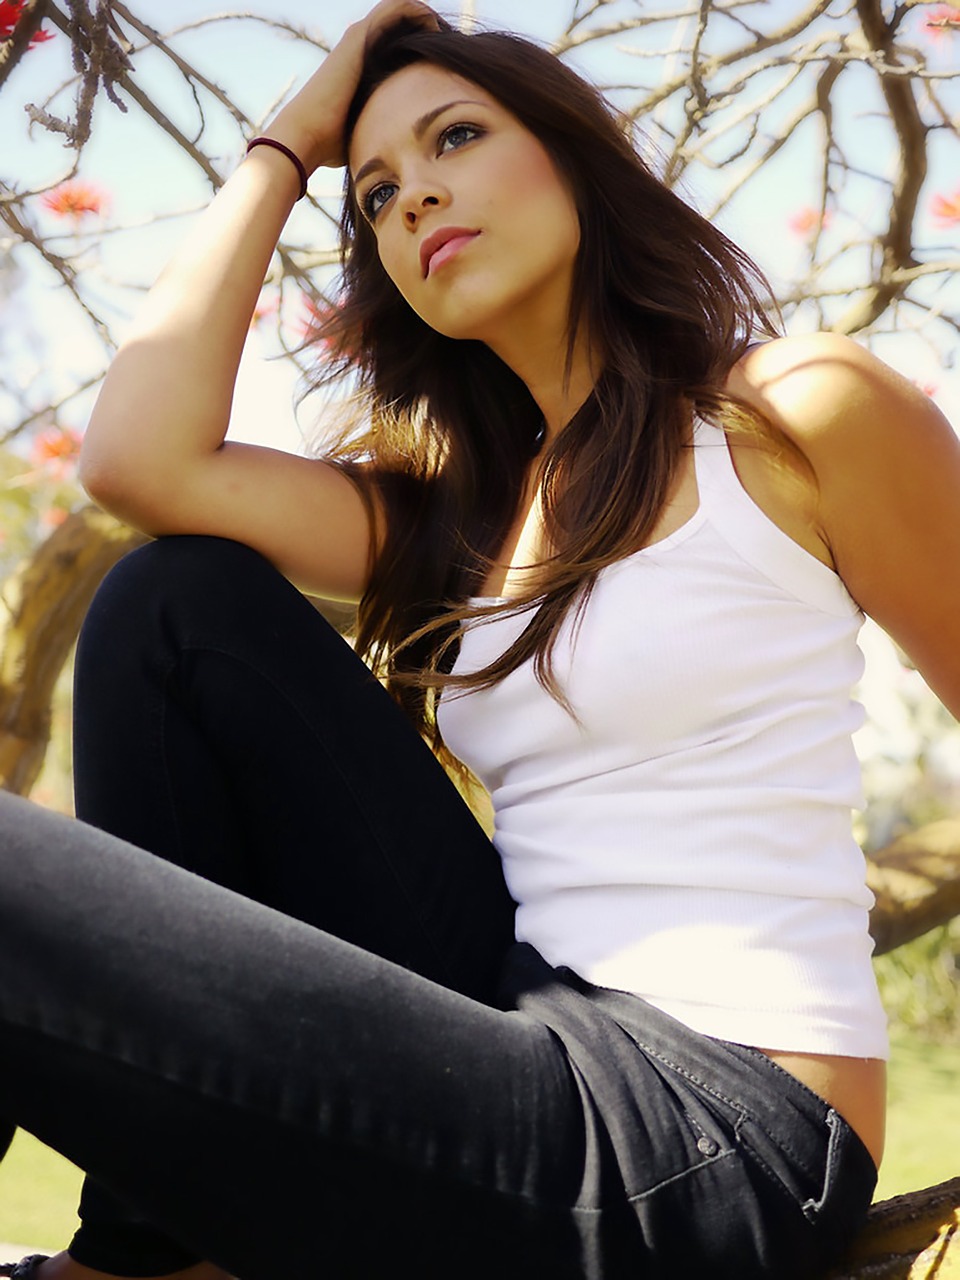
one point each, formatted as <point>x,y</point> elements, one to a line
<point>268,1095</point>
<point>222,724</point>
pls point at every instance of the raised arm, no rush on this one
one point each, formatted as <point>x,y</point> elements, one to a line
<point>887,465</point>
<point>154,451</point>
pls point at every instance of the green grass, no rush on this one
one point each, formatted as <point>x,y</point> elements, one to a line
<point>923,1124</point>
<point>39,1189</point>
<point>38,1196</point>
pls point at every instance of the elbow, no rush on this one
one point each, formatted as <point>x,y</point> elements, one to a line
<point>97,477</point>
<point>116,486</point>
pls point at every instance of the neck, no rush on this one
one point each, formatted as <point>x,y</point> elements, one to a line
<point>559,392</point>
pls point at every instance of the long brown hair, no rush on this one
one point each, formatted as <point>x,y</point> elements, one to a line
<point>449,429</point>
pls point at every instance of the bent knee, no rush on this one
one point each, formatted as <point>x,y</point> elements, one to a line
<point>190,571</point>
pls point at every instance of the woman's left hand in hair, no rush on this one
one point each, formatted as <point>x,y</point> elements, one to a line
<point>887,467</point>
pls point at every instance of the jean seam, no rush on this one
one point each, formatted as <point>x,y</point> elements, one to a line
<point>775,1180</point>
<point>741,1108</point>
<point>788,1076</point>
<point>640,1196</point>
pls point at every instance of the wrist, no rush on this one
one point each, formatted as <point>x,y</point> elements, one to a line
<point>314,152</point>
<point>288,154</point>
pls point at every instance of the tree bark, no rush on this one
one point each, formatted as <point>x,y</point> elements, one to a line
<point>916,881</point>
<point>41,609</point>
<point>911,1237</point>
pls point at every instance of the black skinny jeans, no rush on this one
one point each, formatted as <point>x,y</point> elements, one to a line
<point>317,1050</point>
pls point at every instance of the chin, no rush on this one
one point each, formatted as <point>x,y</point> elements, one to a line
<point>459,327</point>
<point>468,319</point>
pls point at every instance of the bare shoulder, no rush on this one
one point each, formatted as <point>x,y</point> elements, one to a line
<point>824,389</point>
<point>887,468</point>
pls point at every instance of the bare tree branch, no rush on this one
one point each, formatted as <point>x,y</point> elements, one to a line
<point>916,882</point>
<point>190,73</point>
<point>896,244</point>
<point>278,24</point>
<point>912,1236</point>
<point>98,59</point>
<point>28,24</point>
<point>62,266</point>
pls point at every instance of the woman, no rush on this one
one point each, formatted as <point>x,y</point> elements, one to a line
<point>644,1040</point>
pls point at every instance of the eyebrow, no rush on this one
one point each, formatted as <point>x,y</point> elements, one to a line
<point>420,127</point>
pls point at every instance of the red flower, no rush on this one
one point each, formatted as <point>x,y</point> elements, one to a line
<point>56,449</point>
<point>74,199</point>
<point>946,209</point>
<point>808,221</point>
<point>53,517</point>
<point>10,14</point>
<point>316,313</point>
<point>941,20</point>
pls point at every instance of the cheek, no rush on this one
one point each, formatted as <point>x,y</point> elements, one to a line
<point>542,199</point>
<point>396,267</point>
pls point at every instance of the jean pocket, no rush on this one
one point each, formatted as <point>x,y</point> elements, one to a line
<point>710,1121</point>
<point>803,1164</point>
<point>814,1205</point>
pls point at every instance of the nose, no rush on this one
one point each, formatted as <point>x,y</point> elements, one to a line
<point>418,198</point>
<point>412,214</point>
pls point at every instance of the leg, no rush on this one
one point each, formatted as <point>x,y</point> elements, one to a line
<point>256,1083</point>
<point>272,1096</point>
<point>222,724</point>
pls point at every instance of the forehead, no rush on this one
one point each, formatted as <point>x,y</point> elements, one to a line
<point>394,106</point>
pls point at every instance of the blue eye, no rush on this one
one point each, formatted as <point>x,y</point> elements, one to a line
<point>457,135</point>
<point>452,138</point>
<point>376,198</point>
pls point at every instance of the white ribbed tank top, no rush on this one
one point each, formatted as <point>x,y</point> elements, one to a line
<point>689,840</point>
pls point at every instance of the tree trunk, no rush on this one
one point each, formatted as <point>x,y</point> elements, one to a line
<point>41,609</point>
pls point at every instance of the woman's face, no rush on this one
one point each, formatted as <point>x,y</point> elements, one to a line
<point>474,224</point>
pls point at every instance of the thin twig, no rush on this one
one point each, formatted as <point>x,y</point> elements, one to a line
<point>37,414</point>
<point>190,73</point>
<point>62,266</point>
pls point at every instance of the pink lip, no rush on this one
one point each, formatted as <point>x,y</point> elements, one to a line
<point>443,244</point>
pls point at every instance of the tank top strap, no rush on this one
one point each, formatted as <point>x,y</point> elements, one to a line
<point>727,506</point>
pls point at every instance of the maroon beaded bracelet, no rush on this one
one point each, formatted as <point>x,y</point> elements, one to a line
<point>280,146</point>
